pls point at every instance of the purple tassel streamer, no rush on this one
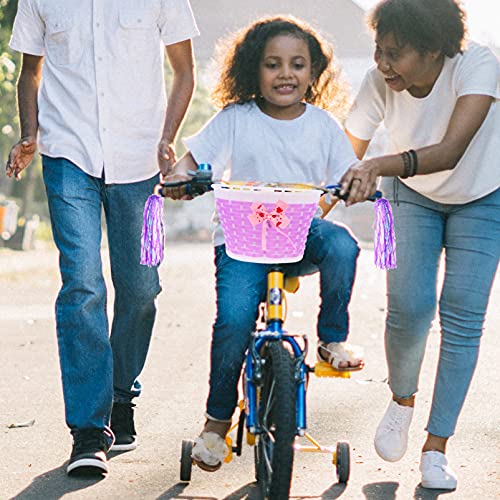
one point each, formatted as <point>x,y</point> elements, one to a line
<point>152,238</point>
<point>385,240</point>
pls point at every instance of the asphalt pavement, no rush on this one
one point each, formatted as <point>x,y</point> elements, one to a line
<point>35,443</point>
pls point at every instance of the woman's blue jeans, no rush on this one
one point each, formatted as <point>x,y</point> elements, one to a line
<point>241,287</point>
<point>97,368</point>
<point>469,234</point>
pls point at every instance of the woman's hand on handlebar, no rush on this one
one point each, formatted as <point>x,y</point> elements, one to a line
<point>360,181</point>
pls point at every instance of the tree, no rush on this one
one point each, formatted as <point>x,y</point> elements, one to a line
<point>31,188</point>
<point>199,112</point>
<point>9,64</point>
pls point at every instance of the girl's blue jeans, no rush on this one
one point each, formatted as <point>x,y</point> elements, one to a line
<point>97,368</point>
<point>469,235</point>
<point>331,250</point>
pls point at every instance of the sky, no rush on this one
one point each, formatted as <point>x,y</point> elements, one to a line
<point>483,19</point>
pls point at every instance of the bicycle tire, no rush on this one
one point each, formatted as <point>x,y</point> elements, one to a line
<point>186,460</point>
<point>277,418</point>
<point>343,465</point>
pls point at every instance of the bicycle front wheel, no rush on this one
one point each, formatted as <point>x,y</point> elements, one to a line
<point>277,418</point>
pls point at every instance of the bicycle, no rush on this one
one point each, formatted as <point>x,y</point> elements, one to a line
<point>274,380</point>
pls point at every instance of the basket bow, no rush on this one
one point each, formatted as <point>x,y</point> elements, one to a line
<point>276,219</point>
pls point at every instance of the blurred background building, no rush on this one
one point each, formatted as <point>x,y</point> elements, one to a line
<point>342,22</point>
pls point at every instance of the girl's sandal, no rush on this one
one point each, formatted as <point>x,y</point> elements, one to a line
<point>335,353</point>
<point>209,451</point>
<point>207,468</point>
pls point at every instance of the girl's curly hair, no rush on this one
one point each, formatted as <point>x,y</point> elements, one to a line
<point>425,25</point>
<point>241,55</point>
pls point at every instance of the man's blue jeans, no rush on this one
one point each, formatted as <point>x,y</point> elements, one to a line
<point>469,234</point>
<point>331,250</point>
<point>96,368</point>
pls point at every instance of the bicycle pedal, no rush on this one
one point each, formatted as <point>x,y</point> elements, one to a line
<point>250,439</point>
<point>323,369</point>
<point>291,284</point>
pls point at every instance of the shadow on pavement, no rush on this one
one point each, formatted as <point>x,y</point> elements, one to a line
<point>176,492</point>
<point>55,484</point>
<point>425,494</point>
<point>331,493</point>
<point>381,491</point>
<point>248,491</point>
<point>334,491</point>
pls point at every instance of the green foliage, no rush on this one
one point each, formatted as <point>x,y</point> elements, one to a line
<point>10,63</point>
<point>44,231</point>
<point>9,66</point>
<point>198,114</point>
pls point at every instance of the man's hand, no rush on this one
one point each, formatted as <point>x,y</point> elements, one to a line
<point>20,156</point>
<point>166,157</point>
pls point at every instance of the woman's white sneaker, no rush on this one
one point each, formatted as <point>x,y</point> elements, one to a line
<point>391,437</point>
<point>436,473</point>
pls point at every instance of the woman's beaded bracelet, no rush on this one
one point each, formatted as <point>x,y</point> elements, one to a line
<point>410,163</point>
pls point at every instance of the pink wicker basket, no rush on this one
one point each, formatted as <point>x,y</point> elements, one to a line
<point>263,223</point>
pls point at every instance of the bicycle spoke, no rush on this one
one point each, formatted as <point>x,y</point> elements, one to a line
<point>268,460</point>
<point>269,405</point>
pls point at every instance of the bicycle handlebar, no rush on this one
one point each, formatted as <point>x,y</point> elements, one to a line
<point>201,182</point>
<point>336,189</point>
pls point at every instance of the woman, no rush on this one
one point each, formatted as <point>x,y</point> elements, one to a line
<point>437,98</point>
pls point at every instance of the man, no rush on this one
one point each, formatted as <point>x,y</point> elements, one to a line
<point>100,112</point>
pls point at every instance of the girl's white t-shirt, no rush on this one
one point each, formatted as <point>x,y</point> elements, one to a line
<point>414,123</point>
<point>244,144</point>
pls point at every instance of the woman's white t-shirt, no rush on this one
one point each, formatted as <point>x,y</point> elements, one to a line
<point>244,144</point>
<point>414,123</point>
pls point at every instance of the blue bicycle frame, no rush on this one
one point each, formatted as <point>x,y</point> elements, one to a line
<point>254,362</point>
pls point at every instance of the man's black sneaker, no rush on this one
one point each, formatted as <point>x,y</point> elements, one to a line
<point>88,457</point>
<point>122,425</point>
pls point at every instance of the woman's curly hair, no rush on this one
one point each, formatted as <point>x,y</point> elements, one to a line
<point>425,25</point>
<point>241,56</point>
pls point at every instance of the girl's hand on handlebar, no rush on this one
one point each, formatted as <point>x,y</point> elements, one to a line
<point>360,181</point>
<point>179,174</point>
<point>176,192</point>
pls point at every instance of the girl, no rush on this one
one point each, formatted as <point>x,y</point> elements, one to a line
<point>438,101</point>
<point>276,77</point>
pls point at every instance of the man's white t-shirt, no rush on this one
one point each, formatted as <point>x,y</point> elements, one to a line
<point>414,123</point>
<point>102,98</point>
<point>244,144</point>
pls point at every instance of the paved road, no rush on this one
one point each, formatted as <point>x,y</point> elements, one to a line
<point>175,384</point>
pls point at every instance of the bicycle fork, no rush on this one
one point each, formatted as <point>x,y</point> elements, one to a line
<point>254,363</point>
